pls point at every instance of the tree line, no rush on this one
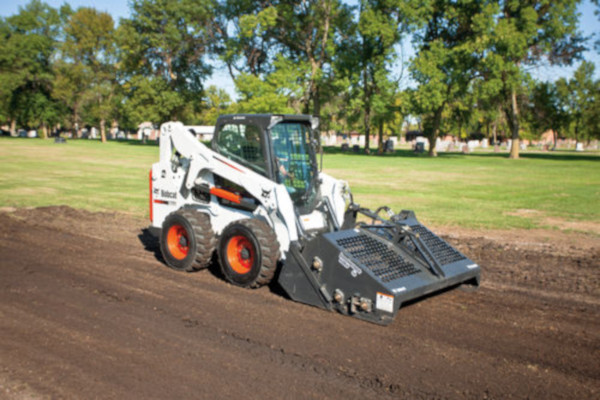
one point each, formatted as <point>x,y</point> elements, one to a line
<point>65,68</point>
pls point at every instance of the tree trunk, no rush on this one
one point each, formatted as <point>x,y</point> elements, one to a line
<point>76,123</point>
<point>311,92</point>
<point>316,103</point>
<point>13,127</point>
<point>434,131</point>
<point>399,129</point>
<point>319,63</point>
<point>514,124</point>
<point>494,130</point>
<point>103,130</point>
<point>172,75</point>
<point>306,107</point>
<point>367,111</point>
<point>367,122</point>
<point>44,134</point>
<point>380,136</point>
<point>555,137</point>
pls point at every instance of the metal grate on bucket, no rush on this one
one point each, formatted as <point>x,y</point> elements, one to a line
<point>440,249</point>
<point>385,263</point>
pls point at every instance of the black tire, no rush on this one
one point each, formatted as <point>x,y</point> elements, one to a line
<point>248,253</point>
<point>187,240</point>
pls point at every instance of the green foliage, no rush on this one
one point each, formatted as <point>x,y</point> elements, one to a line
<point>567,107</point>
<point>338,60</point>
<point>547,109</point>
<point>523,34</point>
<point>581,97</point>
<point>447,62</point>
<point>277,92</point>
<point>69,83</point>
<point>163,47</point>
<point>366,61</point>
<point>216,102</point>
<point>243,36</point>
<point>89,38</point>
<point>26,48</point>
<point>255,39</point>
<point>86,74</point>
<point>149,99</point>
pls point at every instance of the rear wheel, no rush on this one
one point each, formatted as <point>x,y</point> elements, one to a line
<point>248,253</point>
<point>187,240</point>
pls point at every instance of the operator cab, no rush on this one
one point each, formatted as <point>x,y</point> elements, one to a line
<point>279,147</point>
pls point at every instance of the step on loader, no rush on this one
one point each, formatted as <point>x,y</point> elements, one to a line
<point>258,199</point>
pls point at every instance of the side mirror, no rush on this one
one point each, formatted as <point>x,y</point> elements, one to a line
<point>314,123</point>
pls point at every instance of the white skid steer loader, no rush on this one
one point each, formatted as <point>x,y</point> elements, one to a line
<point>258,199</point>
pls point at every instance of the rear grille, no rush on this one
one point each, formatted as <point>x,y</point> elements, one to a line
<point>443,253</point>
<point>385,263</point>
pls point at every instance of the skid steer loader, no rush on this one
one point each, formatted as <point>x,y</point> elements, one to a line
<point>258,199</point>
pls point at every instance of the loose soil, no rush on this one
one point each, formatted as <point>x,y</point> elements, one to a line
<point>89,310</point>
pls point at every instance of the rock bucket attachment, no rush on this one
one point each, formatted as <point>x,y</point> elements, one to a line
<point>368,272</point>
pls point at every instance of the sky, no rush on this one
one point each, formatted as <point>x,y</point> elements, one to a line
<point>588,23</point>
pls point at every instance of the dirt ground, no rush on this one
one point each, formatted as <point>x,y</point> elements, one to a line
<point>88,310</point>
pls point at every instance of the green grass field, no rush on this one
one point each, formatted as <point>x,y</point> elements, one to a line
<point>481,190</point>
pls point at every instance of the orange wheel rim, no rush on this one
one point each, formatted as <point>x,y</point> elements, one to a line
<point>178,242</point>
<point>240,254</point>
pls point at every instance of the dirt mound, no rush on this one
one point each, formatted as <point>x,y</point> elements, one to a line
<point>87,310</point>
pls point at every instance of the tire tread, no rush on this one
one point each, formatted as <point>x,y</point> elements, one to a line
<point>269,249</point>
<point>206,240</point>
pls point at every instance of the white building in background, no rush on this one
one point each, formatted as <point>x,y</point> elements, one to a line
<point>147,129</point>
<point>203,132</point>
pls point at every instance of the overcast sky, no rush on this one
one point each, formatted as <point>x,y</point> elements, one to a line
<point>589,25</point>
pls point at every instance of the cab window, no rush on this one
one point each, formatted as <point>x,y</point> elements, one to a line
<point>295,162</point>
<point>243,143</point>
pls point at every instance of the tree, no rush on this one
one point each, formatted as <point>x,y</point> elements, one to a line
<point>387,105</point>
<point>449,52</point>
<point>369,52</point>
<point>579,95</point>
<point>149,99</point>
<point>26,49</point>
<point>86,73</point>
<point>164,45</point>
<point>276,92</point>
<point>244,38</point>
<point>307,31</point>
<point>546,110</point>
<point>523,34</point>
<point>592,119</point>
<point>253,34</point>
<point>216,102</point>
<point>70,81</point>
<point>488,106</point>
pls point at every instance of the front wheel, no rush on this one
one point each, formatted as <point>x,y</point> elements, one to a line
<point>248,253</point>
